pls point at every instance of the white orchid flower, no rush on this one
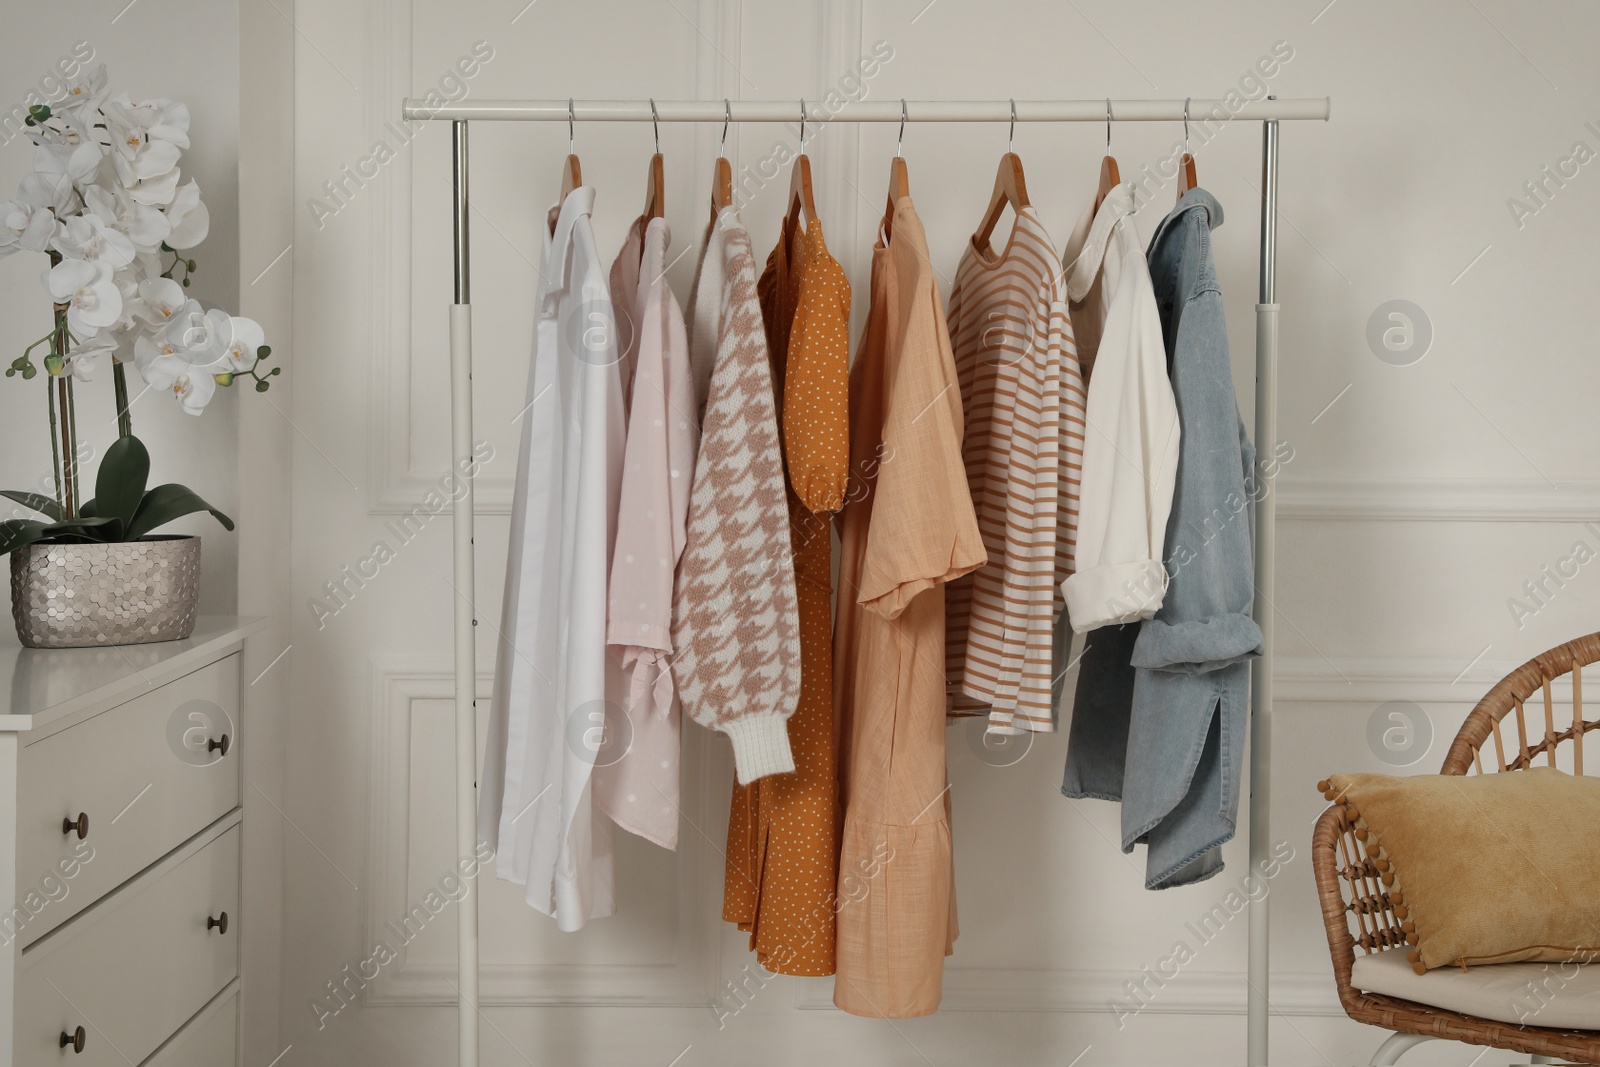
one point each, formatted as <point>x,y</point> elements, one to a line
<point>88,237</point>
<point>160,301</point>
<point>172,123</point>
<point>189,218</point>
<point>70,128</point>
<point>193,386</point>
<point>167,363</point>
<point>24,226</point>
<point>146,226</point>
<point>85,93</point>
<point>237,339</point>
<point>148,120</point>
<point>29,222</point>
<point>157,191</point>
<point>79,162</point>
<point>200,337</point>
<point>151,159</point>
<point>53,191</point>
<point>86,287</point>
<point>134,311</point>
<point>83,359</point>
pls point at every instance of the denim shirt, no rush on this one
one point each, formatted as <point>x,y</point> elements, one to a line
<point>1162,706</point>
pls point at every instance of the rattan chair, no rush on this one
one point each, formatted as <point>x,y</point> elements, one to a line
<point>1355,906</point>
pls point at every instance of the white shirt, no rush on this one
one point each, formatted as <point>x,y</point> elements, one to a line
<point>1130,449</point>
<point>554,685</point>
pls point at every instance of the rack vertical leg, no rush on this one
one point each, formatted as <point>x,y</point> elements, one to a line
<point>1258,1006</point>
<point>466,668</point>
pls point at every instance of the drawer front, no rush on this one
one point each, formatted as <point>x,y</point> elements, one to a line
<point>134,972</point>
<point>210,1040</point>
<point>122,770</point>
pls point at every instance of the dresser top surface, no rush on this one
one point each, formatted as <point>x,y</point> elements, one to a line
<point>42,684</point>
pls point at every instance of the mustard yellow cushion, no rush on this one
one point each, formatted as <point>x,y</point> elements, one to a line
<point>1492,868</point>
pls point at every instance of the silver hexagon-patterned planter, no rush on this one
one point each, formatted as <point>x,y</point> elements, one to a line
<point>70,596</point>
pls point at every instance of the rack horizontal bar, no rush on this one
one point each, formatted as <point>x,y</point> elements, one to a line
<point>822,110</point>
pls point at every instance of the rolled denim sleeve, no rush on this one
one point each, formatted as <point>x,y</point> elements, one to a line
<point>1204,623</point>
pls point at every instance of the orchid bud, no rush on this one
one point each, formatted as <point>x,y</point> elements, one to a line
<point>53,364</point>
<point>223,379</point>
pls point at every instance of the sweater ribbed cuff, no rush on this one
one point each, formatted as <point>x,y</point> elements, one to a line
<point>760,746</point>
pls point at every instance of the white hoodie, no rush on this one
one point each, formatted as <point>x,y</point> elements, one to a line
<point>1130,450</point>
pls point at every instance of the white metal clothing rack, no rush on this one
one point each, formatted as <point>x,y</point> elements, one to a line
<point>1268,112</point>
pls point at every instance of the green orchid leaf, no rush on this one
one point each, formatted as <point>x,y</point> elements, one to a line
<point>37,501</point>
<point>87,509</point>
<point>119,486</point>
<point>15,533</point>
<point>167,502</point>
<point>103,528</point>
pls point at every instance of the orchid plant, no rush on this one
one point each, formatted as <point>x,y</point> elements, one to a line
<point>104,203</point>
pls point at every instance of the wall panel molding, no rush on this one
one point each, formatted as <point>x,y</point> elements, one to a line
<point>1438,500</point>
<point>397,685</point>
<point>1368,680</point>
<point>995,989</point>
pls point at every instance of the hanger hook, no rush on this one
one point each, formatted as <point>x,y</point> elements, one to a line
<point>902,136</point>
<point>727,117</point>
<point>802,125</point>
<point>1108,125</point>
<point>1011,135</point>
<point>655,121</point>
<point>1186,123</point>
<point>571,124</point>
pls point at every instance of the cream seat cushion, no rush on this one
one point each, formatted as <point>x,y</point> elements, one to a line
<point>1562,996</point>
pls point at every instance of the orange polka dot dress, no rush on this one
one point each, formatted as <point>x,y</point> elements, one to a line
<point>783,829</point>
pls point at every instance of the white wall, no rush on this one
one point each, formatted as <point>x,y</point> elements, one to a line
<point>265,269</point>
<point>1416,504</point>
<point>186,50</point>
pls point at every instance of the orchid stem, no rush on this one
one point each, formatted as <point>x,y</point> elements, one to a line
<point>69,458</point>
<point>72,431</point>
<point>119,381</point>
<point>55,445</point>
<point>69,509</point>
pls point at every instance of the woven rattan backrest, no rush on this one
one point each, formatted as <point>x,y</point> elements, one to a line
<point>1534,733</point>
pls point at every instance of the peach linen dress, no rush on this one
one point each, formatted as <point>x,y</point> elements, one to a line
<point>783,829</point>
<point>908,526</point>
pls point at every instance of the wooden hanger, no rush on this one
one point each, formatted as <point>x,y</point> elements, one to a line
<point>1110,176</point>
<point>899,183</point>
<point>571,176</point>
<point>722,180</point>
<point>571,172</point>
<point>655,194</point>
<point>801,198</point>
<point>1186,178</point>
<point>655,191</point>
<point>1009,188</point>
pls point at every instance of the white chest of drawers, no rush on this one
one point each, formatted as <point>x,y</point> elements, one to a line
<point>120,826</point>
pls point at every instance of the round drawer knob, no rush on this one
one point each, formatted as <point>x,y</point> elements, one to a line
<point>74,1039</point>
<point>80,824</point>
<point>219,924</point>
<point>218,745</point>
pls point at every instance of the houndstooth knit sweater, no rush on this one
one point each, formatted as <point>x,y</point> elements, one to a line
<point>736,626</point>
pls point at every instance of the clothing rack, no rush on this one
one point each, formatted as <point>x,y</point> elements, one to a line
<point>1269,112</point>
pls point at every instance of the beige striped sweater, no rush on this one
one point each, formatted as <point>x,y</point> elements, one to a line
<point>1022,396</point>
<point>736,627</point>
